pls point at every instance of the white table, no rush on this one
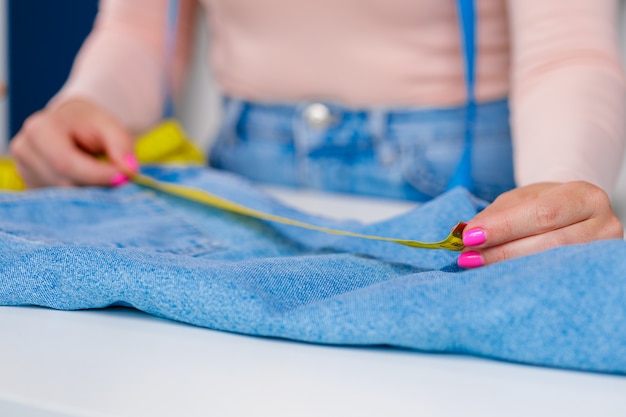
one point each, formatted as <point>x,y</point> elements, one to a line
<point>121,362</point>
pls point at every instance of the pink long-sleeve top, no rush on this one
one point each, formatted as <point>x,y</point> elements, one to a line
<point>557,60</point>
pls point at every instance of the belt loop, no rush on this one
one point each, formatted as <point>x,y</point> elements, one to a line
<point>227,134</point>
<point>233,108</point>
<point>378,126</point>
<point>300,144</point>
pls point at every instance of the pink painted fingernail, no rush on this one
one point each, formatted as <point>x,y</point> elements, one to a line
<point>131,162</point>
<point>118,179</point>
<point>470,260</point>
<point>474,237</point>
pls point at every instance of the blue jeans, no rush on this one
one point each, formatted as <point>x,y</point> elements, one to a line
<point>396,153</point>
<point>93,248</point>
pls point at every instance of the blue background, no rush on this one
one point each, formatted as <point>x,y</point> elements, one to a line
<point>44,37</point>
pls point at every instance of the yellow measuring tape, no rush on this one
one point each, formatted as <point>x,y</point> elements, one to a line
<point>9,178</point>
<point>168,144</point>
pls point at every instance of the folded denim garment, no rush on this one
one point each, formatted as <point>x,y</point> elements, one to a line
<point>92,248</point>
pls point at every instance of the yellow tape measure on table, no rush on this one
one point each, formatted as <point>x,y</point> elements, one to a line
<point>9,178</point>
<point>168,144</point>
<point>165,144</point>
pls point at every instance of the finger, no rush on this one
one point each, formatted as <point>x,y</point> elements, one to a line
<point>119,147</point>
<point>88,170</point>
<point>65,163</point>
<point>85,169</point>
<point>106,136</point>
<point>590,230</point>
<point>29,166</point>
<point>562,206</point>
<point>513,198</point>
<point>31,147</point>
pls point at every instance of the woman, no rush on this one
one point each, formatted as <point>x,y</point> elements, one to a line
<point>373,97</point>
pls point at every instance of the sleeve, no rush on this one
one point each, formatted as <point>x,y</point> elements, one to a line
<point>123,66</point>
<point>567,96</point>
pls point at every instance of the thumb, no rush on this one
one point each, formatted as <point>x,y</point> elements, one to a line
<point>118,146</point>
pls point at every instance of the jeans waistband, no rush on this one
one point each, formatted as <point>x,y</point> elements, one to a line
<point>406,153</point>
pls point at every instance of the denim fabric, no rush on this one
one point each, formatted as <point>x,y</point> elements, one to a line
<point>397,153</point>
<point>93,248</point>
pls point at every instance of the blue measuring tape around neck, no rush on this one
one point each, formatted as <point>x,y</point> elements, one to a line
<point>169,56</point>
<point>462,177</point>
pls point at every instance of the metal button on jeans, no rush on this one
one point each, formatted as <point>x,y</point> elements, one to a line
<point>318,115</point>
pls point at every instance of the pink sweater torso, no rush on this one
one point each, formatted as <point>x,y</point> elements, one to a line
<point>557,59</point>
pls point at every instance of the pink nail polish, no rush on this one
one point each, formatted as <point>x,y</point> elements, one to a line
<point>470,260</point>
<point>118,179</point>
<point>474,237</point>
<point>131,162</point>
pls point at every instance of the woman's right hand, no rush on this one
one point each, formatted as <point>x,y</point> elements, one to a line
<point>60,147</point>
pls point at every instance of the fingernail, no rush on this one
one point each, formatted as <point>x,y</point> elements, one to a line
<point>131,162</point>
<point>118,179</point>
<point>470,260</point>
<point>474,237</point>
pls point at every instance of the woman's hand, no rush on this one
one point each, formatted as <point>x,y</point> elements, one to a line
<point>60,146</point>
<point>536,217</point>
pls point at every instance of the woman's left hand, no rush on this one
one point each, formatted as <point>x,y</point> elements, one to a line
<point>537,217</point>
